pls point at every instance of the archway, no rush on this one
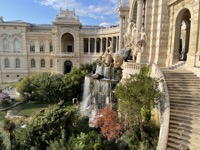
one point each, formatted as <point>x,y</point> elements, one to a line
<point>182,36</point>
<point>67,43</point>
<point>67,66</point>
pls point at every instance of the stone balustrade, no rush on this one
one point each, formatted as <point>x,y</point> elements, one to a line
<point>163,107</point>
<point>131,68</point>
<point>96,31</point>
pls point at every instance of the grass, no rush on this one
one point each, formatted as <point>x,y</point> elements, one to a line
<point>11,84</point>
<point>27,109</point>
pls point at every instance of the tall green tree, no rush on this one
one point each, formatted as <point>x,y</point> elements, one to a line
<point>136,99</point>
<point>9,127</point>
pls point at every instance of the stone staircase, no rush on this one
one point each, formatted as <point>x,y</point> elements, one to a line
<point>184,124</point>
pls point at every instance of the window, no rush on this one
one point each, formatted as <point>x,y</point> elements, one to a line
<point>17,45</point>
<point>7,63</point>
<point>42,47</point>
<point>32,46</point>
<point>6,45</point>
<point>17,63</point>
<point>32,63</point>
<point>51,63</point>
<point>42,63</point>
<point>51,47</point>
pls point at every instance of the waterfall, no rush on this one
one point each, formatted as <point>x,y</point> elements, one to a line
<point>98,92</point>
<point>86,101</point>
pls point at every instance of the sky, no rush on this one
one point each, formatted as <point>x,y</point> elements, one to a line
<point>90,12</point>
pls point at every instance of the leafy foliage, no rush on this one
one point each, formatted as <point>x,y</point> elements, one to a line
<point>84,141</point>
<point>46,126</point>
<point>137,95</point>
<point>54,87</point>
<point>9,127</point>
<point>109,123</point>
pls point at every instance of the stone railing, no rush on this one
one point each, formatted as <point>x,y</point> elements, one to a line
<point>163,107</point>
<point>69,54</point>
<point>94,31</point>
<point>131,68</point>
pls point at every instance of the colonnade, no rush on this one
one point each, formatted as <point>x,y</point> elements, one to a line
<point>101,44</point>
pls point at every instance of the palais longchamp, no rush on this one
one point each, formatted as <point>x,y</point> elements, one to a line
<point>162,33</point>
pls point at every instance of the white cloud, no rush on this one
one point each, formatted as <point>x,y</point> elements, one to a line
<point>102,10</point>
<point>105,24</point>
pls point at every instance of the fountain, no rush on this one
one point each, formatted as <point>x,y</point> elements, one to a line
<point>98,91</point>
<point>99,87</point>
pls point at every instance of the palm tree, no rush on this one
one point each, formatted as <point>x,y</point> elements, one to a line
<point>9,127</point>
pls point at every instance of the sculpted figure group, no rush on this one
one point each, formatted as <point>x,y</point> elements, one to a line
<point>135,40</point>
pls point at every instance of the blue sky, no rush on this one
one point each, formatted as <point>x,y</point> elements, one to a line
<point>90,12</point>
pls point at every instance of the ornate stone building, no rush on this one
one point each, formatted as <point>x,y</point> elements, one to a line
<point>30,48</point>
<point>171,27</point>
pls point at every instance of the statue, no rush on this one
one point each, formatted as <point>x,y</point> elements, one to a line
<point>110,48</point>
<point>127,36</point>
<point>142,40</point>
<point>183,40</point>
<point>141,43</point>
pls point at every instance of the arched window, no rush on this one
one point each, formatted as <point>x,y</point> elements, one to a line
<point>51,47</point>
<point>32,46</point>
<point>7,63</point>
<point>51,63</point>
<point>6,45</point>
<point>17,45</point>
<point>42,47</point>
<point>17,63</point>
<point>42,63</point>
<point>32,63</point>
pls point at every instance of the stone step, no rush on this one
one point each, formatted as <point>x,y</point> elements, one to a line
<point>173,145</point>
<point>183,90</point>
<point>184,119</point>
<point>185,109</point>
<point>188,102</point>
<point>181,116</point>
<point>190,126</point>
<point>183,96</point>
<point>183,84</point>
<point>185,113</point>
<point>185,105</point>
<point>178,141</point>
<point>186,129</point>
<point>184,140</point>
<point>189,93</point>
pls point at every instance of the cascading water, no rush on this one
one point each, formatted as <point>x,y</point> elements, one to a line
<point>98,93</point>
<point>85,105</point>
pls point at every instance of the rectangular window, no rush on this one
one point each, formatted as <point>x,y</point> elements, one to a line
<point>69,48</point>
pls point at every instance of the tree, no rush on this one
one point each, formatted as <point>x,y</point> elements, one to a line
<point>109,123</point>
<point>136,98</point>
<point>9,127</point>
<point>46,126</point>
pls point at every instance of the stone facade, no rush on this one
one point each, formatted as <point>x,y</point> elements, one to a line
<point>30,48</point>
<point>172,29</point>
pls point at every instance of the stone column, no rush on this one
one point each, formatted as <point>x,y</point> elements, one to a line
<point>101,45</point>
<point>89,46</point>
<point>112,44</point>
<point>121,33</point>
<point>116,47</point>
<point>95,45</point>
<point>46,46</point>
<point>122,3</point>
<point>139,24</point>
<point>139,14</point>
<point>106,44</point>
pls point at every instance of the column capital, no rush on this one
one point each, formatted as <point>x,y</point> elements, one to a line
<point>139,1</point>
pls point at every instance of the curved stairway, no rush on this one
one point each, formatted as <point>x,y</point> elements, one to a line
<point>184,124</point>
